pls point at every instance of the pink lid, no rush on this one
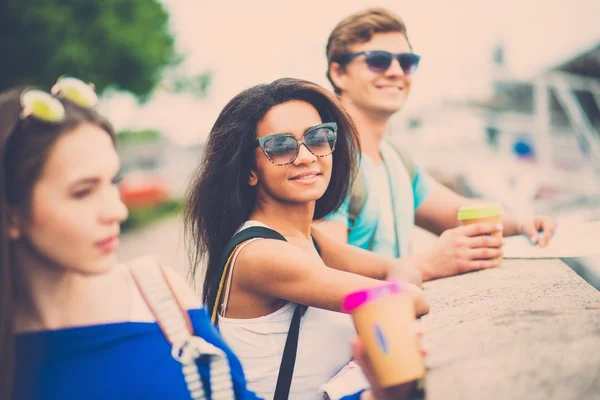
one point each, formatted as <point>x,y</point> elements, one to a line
<point>362,297</point>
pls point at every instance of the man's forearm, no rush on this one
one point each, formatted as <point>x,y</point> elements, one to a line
<point>405,269</point>
<point>422,264</point>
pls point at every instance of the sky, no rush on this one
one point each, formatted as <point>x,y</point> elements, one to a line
<point>249,42</point>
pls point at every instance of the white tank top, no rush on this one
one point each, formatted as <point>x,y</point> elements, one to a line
<point>323,347</point>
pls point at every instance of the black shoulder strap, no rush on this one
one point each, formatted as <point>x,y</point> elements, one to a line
<point>316,245</point>
<point>247,234</point>
<point>288,360</point>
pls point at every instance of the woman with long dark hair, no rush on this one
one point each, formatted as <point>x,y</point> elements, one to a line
<point>280,156</point>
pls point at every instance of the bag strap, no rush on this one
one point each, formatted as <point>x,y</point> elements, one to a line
<point>316,245</point>
<point>231,248</point>
<point>176,326</point>
<point>358,191</point>
<point>358,198</point>
<point>170,316</point>
<point>226,294</point>
<point>288,360</point>
<point>406,158</point>
<point>248,233</point>
<point>409,164</point>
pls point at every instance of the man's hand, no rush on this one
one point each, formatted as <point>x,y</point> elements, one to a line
<point>533,226</point>
<point>462,249</point>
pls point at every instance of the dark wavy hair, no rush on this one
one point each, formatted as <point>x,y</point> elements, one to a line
<point>220,199</point>
<point>24,148</point>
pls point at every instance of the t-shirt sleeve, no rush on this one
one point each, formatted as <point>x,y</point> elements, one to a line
<point>341,214</point>
<point>421,185</point>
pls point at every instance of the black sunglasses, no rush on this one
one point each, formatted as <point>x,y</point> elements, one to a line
<point>283,148</point>
<point>379,61</point>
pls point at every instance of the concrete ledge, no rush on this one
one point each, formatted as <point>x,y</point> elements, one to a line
<point>528,330</point>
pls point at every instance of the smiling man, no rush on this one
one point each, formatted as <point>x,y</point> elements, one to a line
<point>370,65</point>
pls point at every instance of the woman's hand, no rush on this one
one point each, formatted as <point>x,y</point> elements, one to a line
<point>418,297</point>
<point>400,392</point>
<point>539,229</point>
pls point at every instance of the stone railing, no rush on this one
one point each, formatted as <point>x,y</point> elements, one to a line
<point>527,330</point>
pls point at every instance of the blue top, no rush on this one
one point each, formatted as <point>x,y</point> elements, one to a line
<point>377,223</point>
<point>126,360</point>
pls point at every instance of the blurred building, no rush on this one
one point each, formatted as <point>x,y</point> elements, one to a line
<point>533,144</point>
<point>154,168</point>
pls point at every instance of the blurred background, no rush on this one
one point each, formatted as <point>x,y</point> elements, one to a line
<point>505,104</point>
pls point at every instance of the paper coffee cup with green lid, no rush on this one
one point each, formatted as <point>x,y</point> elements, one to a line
<point>490,213</point>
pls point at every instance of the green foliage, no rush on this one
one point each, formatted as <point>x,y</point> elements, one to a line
<point>124,44</point>
<point>129,137</point>
<point>141,217</point>
<point>198,85</point>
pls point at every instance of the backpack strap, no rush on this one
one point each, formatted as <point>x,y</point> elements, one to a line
<point>288,360</point>
<point>358,198</point>
<point>407,159</point>
<point>176,326</point>
<point>226,293</point>
<point>230,250</point>
<point>358,191</point>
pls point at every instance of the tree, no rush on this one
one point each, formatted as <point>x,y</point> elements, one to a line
<point>197,85</point>
<point>123,44</point>
<point>132,137</point>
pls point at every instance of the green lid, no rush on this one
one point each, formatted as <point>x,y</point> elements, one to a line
<point>479,211</point>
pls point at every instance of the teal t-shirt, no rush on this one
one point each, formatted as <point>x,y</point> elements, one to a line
<point>391,201</point>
